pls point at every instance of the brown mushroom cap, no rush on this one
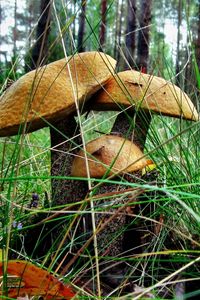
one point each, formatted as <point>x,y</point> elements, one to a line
<point>49,93</point>
<point>109,151</point>
<point>132,88</point>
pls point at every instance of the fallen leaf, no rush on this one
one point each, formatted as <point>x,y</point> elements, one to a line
<point>24,278</point>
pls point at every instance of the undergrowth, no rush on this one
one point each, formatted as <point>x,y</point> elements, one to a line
<point>165,262</point>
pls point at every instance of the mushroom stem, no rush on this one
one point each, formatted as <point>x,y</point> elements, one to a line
<point>134,128</point>
<point>65,141</point>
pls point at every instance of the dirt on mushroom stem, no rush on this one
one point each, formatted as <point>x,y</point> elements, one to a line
<point>65,142</point>
<point>69,191</point>
<point>114,241</point>
<point>47,93</point>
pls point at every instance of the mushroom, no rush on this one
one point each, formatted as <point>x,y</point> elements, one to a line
<point>136,96</point>
<point>138,90</point>
<point>110,155</point>
<point>107,155</point>
<point>50,92</point>
<point>49,95</point>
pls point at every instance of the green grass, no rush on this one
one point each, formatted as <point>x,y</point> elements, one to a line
<point>175,197</point>
<point>169,201</point>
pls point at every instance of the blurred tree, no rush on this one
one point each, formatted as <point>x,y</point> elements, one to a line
<point>192,11</point>
<point>15,30</point>
<point>31,16</point>
<point>130,34</point>
<point>143,36</point>
<point>102,33</point>
<point>197,54</point>
<point>116,27</point>
<point>178,58</point>
<point>81,29</point>
<point>161,60</point>
<point>3,55</point>
<point>120,31</point>
<point>197,46</point>
<point>39,53</point>
<point>1,13</point>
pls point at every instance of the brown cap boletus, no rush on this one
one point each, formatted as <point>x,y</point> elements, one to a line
<point>108,155</point>
<point>49,93</point>
<point>132,88</point>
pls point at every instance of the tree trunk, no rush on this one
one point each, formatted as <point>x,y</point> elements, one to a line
<point>39,54</point>
<point>143,35</point>
<point>1,18</point>
<point>32,12</point>
<point>102,34</point>
<point>198,44</point>
<point>178,42</point>
<point>119,34</point>
<point>198,38</point>
<point>65,142</point>
<point>81,30</point>
<point>74,22</point>
<point>191,77</point>
<point>188,69</point>
<point>130,34</point>
<point>15,31</point>
<point>197,52</point>
<point>116,28</point>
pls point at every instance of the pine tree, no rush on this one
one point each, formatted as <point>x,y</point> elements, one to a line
<point>39,53</point>
<point>81,30</point>
<point>143,36</point>
<point>130,33</point>
<point>102,33</point>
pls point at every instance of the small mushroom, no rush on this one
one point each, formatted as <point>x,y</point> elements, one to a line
<point>132,88</point>
<point>107,155</point>
<point>49,93</point>
<point>142,94</point>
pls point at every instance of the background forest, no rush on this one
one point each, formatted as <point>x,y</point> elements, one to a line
<point>159,37</point>
<point>169,28</point>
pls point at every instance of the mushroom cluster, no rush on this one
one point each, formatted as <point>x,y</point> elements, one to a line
<point>51,95</point>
